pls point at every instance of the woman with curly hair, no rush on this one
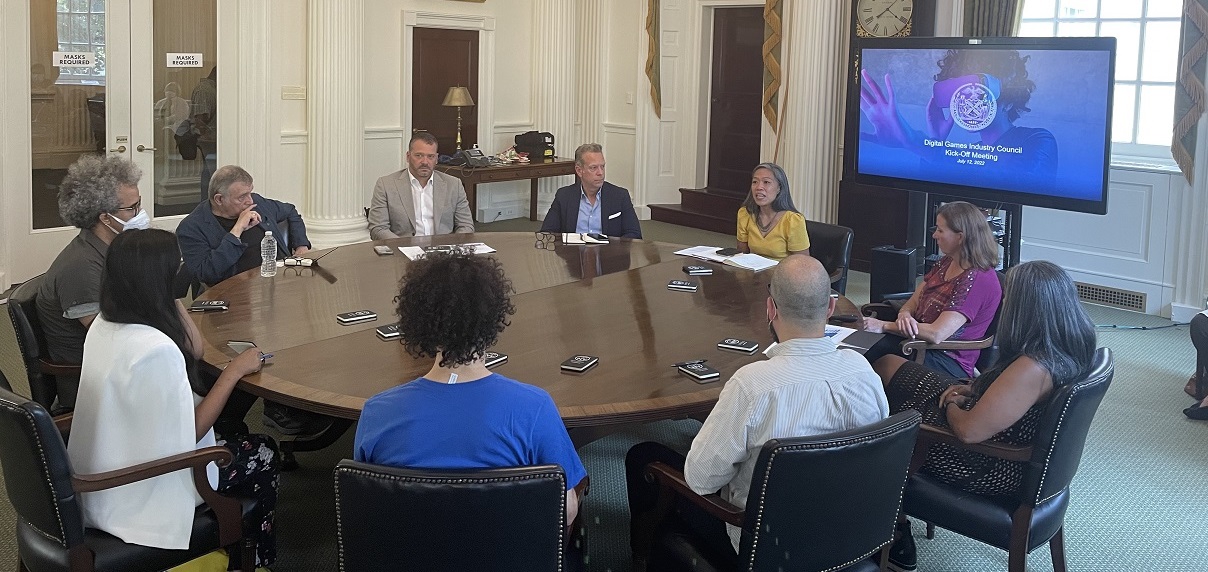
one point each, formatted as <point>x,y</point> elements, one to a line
<point>452,308</point>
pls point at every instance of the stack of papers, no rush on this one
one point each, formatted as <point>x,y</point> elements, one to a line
<point>753,262</point>
<point>417,252</point>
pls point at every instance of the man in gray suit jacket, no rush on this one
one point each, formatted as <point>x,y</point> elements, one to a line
<point>419,201</point>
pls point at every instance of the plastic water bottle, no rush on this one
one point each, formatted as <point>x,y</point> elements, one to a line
<point>268,255</point>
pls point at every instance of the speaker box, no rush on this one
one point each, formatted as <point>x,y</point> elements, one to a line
<point>892,271</point>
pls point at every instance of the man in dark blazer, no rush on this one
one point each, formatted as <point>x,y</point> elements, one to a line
<point>221,237</point>
<point>419,200</point>
<point>594,205</point>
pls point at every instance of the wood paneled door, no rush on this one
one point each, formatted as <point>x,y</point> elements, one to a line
<point>443,59</point>
<point>734,104</point>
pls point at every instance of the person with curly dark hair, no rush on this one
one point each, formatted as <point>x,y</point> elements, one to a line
<point>452,308</point>
<point>982,91</point>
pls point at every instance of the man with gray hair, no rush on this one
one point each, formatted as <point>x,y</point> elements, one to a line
<point>806,387</point>
<point>99,196</point>
<point>592,205</point>
<point>221,237</point>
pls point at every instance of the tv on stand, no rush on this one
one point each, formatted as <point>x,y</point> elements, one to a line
<point>1017,121</point>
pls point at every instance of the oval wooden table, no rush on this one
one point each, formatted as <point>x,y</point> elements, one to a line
<point>609,301</point>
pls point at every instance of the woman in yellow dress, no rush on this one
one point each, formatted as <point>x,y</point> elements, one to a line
<point>768,223</point>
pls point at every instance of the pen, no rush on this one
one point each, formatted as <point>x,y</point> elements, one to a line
<point>265,357</point>
<point>693,362</point>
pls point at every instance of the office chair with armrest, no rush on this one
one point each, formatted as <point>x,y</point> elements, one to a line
<point>44,492</point>
<point>511,519</point>
<point>917,349</point>
<point>31,342</point>
<point>827,502</point>
<point>1023,522</point>
<point>831,245</point>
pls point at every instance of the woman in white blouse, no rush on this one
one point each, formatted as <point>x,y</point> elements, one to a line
<point>140,399</point>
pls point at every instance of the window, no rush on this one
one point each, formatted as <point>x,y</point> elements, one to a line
<point>1147,52</point>
<point>82,29</point>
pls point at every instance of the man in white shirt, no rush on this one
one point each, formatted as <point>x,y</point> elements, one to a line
<point>807,387</point>
<point>419,200</point>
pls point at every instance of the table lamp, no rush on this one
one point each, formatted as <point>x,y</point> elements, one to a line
<point>458,97</point>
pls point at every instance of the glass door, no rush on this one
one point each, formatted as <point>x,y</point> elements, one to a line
<point>134,78</point>
<point>68,96</point>
<point>174,97</point>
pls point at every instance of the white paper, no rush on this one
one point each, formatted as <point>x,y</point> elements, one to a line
<point>702,252</point>
<point>838,333</point>
<point>412,252</point>
<point>751,262</point>
<point>417,252</point>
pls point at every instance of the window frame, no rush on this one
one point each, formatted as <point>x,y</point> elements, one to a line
<point>65,11</point>
<point>1128,152</point>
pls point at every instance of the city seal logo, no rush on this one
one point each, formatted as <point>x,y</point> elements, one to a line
<point>973,106</point>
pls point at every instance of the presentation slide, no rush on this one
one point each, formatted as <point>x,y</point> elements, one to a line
<point>1031,121</point>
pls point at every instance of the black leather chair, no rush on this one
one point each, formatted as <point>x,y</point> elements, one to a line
<point>41,371</point>
<point>412,519</point>
<point>917,349</point>
<point>1024,522</point>
<point>51,536</point>
<point>827,502</point>
<point>831,245</point>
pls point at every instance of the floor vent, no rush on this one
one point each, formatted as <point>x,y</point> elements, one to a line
<point>1114,297</point>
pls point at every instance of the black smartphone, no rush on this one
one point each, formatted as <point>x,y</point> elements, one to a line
<point>728,252</point>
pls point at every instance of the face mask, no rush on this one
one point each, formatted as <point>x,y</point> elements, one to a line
<point>141,221</point>
<point>771,328</point>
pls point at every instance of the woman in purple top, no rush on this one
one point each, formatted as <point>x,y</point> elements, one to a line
<point>957,298</point>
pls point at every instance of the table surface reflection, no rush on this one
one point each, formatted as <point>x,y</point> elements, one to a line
<point>607,300</point>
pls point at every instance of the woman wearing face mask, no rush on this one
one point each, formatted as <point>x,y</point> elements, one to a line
<point>99,196</point>
<point>768,223</point>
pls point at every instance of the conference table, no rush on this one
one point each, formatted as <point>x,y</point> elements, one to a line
<point>608,300</point>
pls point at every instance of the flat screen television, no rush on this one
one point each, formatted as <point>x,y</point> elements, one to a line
<point>1013,120</point>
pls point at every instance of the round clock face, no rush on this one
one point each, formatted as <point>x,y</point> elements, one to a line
<point>883,18</point>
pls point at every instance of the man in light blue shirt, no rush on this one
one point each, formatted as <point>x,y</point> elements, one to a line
<point>593,205</point>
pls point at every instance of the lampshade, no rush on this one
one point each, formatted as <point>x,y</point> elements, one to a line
<point>458,97</point>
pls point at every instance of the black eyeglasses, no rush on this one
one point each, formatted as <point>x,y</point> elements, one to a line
<point>545,240</point>
<point>133,207</point>
<point>770,296</point>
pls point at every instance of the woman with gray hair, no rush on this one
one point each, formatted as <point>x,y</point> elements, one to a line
<point>768,223</point>
<point>99,196</point>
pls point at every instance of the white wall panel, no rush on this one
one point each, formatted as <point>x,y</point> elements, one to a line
<point>1126,248</point>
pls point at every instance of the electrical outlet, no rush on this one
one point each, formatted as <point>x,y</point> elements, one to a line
<point>492,214</point>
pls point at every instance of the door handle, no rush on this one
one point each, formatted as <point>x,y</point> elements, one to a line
<point>120,149</point>
<point>144,148</point>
